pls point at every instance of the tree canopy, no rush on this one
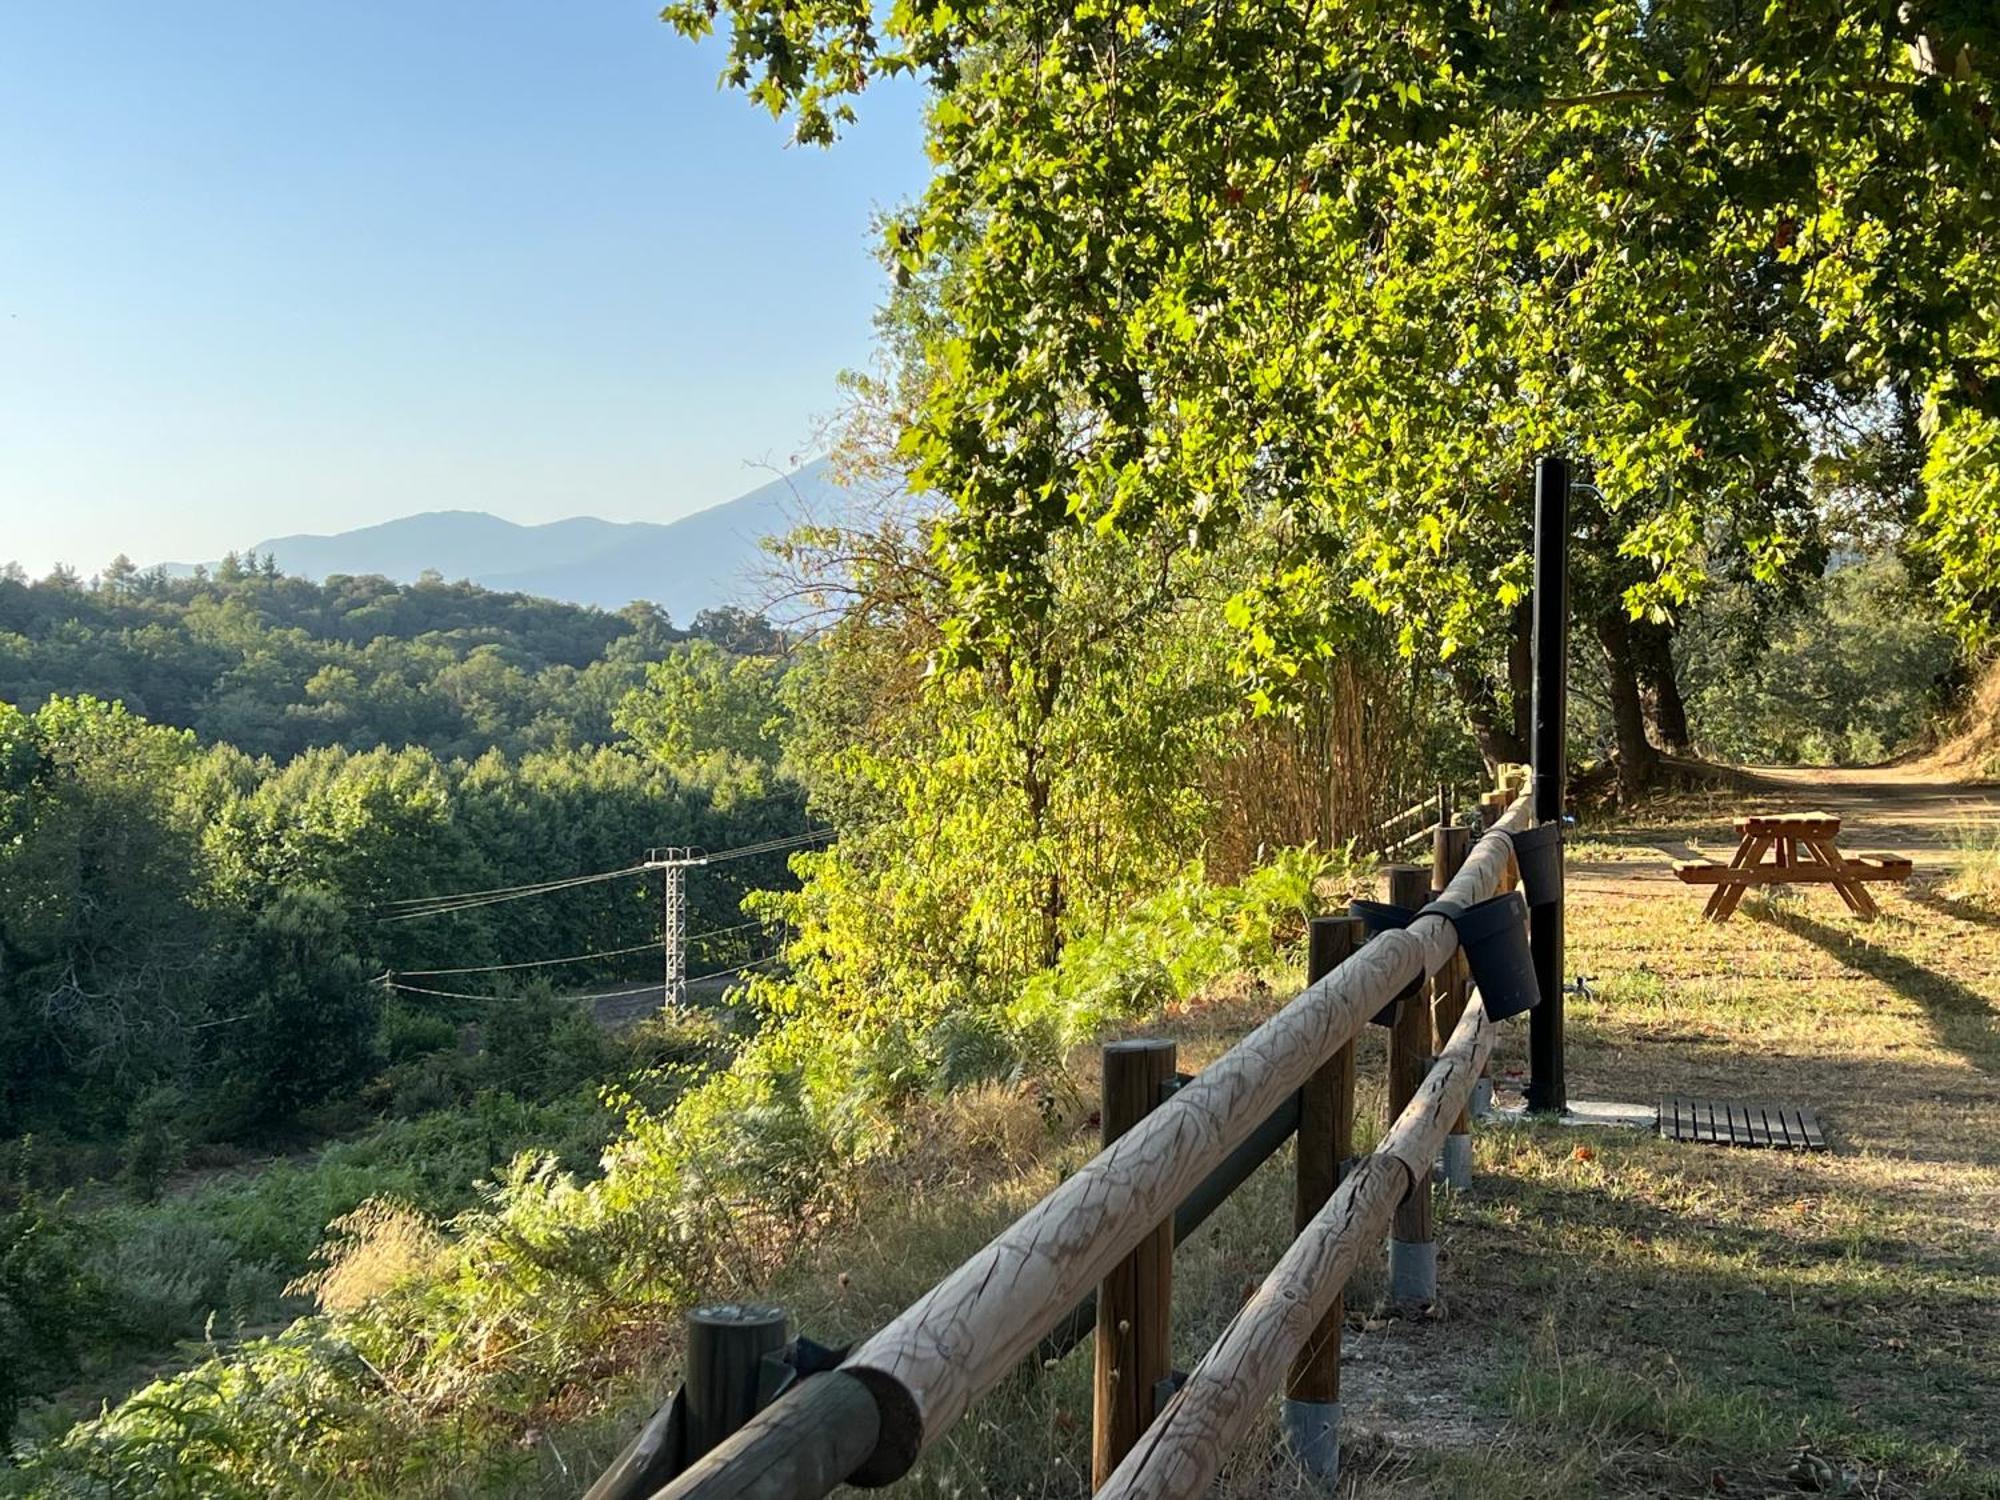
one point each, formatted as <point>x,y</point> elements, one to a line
<point>276,665</point>
<point>1335,270</point>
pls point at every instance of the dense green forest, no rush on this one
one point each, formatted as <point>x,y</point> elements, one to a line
<point>209,954</point>
<point>1217,353</point>
<point>276,666</point>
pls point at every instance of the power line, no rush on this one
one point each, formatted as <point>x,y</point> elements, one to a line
<point>467,901</point>
<point>736,969</point>
<point>573,958</point>
<point>772,846</point>
<point>695,937</point>
<point>531,963</point>
<point>515,893</point>
<point>408,907</point>
<point>504,890</point>
<point>497,890</point>
<point>417,989</point>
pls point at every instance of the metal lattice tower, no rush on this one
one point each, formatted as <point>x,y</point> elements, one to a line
<point>673,863</point>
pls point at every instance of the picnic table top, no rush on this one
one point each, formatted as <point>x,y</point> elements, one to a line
<point>1809,825</point>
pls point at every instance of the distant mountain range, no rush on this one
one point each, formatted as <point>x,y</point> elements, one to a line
<point>702,561</point>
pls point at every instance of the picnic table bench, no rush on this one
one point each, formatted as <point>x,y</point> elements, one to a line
<point>1804,851</point>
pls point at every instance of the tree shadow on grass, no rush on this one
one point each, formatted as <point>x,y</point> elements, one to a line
<point>1802,1325</point>
<point>1959,1017</point>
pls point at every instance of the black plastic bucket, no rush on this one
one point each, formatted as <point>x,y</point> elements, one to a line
<point>1539,853</point>
<point>1494,936</point>
<point>1380,916</point>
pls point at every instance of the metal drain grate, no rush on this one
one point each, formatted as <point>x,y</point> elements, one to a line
<point>1712,1122</point>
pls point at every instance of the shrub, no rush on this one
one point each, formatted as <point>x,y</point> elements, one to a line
<point>163,1275</point>
<point>154,1147</point>
<point>405,1033</point>
<point>376,1247</point>
<point>1171,945</point>
<point>52,1303</point>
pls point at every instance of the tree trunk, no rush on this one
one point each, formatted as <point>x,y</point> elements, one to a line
<point>1498,742</point>
<point>1038,785</point>
<point>1521,672</point>
<point>1636,756</point>
<point>1050,902</point>
<point>1666,712</point>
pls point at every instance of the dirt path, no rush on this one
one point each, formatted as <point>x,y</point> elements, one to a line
<point>1908,808</point>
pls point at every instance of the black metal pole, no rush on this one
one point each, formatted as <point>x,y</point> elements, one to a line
<point>1548,1090</point>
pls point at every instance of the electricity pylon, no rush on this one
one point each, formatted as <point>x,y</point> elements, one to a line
<point>674,862</point>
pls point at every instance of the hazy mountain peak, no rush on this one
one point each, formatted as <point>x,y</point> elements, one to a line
<point>697,562</point>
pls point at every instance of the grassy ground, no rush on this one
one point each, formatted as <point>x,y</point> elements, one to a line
<point>1621,1315</point>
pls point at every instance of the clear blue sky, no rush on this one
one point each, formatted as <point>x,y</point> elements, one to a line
<point>268,268</point>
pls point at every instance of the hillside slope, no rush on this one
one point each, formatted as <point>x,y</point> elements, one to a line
<point>1971,746</point>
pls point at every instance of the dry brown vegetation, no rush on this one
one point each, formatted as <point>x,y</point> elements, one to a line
<point>1970,743</point>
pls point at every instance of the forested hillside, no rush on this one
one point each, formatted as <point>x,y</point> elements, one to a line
<point>276,665</point>
<point>341,927</point>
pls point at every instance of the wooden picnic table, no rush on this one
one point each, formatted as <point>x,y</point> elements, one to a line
<point>1804,851</point>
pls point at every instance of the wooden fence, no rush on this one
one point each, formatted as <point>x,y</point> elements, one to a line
<point>1108,1231</point>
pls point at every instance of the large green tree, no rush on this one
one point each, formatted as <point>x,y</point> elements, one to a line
<point>101,923</point>
<point>1336,270</point>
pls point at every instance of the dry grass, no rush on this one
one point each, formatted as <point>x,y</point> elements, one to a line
<point>1639,1318</point>
<point>379,1245</point>
<point>1971,745</point>
<point>1975,877</point>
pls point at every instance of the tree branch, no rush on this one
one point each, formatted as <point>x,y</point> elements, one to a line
<point>1865,89</point>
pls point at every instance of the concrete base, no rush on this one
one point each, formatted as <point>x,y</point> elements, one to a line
<point>1312,1436</point>
<point>1455,1165</point>
<point>1413,1273</point>
<point>1593,1112</point>
<point>1482,1099</point>
<point>1606,1112</point>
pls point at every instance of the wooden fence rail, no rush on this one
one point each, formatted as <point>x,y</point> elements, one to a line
<point>902,1389</point>
<point>1179,1455</point>
<point>1409,827</point>
<point>1415,810</point>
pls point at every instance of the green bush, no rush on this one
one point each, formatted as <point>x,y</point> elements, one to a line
<point>164,1275</point>
<point>53,1305</point>
<point>405,1033</point>
<point>1172,944</point>
<point>539,1046</point>
<point>155,1146</point>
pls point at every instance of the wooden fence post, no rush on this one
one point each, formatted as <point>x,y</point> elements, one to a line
<point>1449,848</point>
<point>1412,1251</point>
<point>726,1347</point>
<point>1134,1336</point>
<point>1311,1413</point>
